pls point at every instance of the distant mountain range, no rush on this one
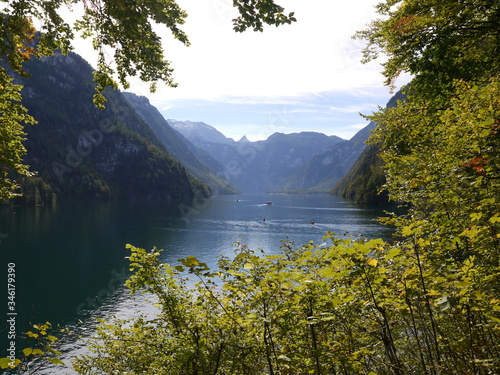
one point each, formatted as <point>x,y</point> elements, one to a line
<point>129,151</point>
<point>305,161</point>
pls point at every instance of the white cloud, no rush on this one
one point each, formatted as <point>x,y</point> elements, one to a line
<point>316,54</point>
<point>357,108</point>
<point>304,76</point>
<point>356,126</point>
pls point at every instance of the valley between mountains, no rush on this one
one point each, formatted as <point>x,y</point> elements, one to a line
<point>130,151</point>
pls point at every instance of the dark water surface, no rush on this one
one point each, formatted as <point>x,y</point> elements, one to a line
<point>70,258</point>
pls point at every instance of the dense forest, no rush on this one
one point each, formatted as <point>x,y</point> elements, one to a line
<point>199,164</point>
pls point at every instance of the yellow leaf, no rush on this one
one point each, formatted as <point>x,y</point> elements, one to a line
<point>56,361</point>
<point>8,363</point>
<point>475,216</point>
<point>495,218</point>
<point>407,231</point>
<point>372,262</point>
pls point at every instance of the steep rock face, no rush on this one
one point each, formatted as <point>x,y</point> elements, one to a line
<point>325,169</point>
<point>209,172</point>
<point>363,180</point>
<point>86,153</point>
<point>366,177</point>
<point>200,133</point>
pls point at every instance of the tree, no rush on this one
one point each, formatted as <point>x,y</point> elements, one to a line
<point>436,42</point>
<point>12,117</point>
<point>350,307</point>
<point>440,148</point>
<point>122,29</point>
<point>440,145</point>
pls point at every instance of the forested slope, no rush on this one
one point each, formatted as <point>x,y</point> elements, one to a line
<point>83,153</point>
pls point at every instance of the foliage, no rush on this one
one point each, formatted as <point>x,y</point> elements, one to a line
<point>429,303</point>
<point>364,180</point>
<point>255,13</point>
<point>354,306</point>
<point>440,146</point>
<point>39,349</point>
<point>34,192</point>
<point>12,117</point>
<point>125,30</point>
<point>435,41</point>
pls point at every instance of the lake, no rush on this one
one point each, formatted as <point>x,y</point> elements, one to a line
<point>70,261</point>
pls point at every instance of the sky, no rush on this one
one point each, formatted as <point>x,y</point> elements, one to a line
<point>307,76</point>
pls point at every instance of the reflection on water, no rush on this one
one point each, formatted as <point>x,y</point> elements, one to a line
<point>70,258</point>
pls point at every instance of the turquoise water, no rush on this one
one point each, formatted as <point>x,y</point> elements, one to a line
<point>70,258</point>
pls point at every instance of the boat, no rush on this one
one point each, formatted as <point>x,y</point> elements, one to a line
<point>269,202</point>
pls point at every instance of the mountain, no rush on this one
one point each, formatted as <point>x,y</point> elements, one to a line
<point>366,176</point>
<point>325,169</point>
<point>83,153</point>
<point>258,166</point>
<point>180,148</point>
<point>200,133</point>
<point>362,182</point>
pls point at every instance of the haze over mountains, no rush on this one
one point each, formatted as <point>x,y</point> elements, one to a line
<point>283,162</point>
<point>130,151</point>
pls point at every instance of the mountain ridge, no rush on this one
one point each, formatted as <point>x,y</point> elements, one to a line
<point>179,146</point>
<point>83,153</point>
<point>366,176</point>
<point>304,160</point>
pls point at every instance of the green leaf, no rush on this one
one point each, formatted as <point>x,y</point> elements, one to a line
<point>393,252</point>
<point>190,261</point>
<point>56,361</point>
<point>51,338</point>
<point>328,272</point>
<point>475,216</point>
<point>179,268</point>
<point>433,293</point>
<point>7,363</point>
<point>31,334</point>
<point>495,218</point>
